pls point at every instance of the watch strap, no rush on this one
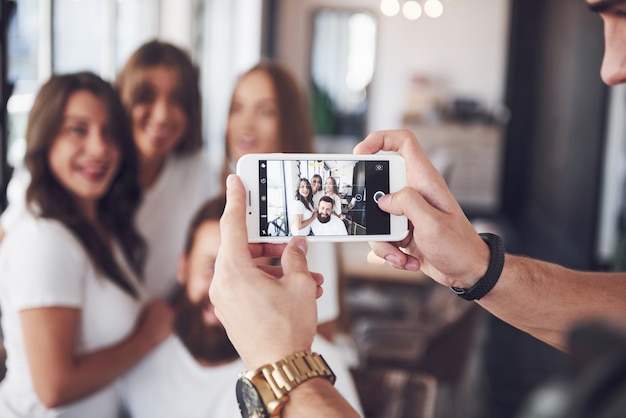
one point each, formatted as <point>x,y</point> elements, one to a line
<point>494,270</point>
<point>275,380</point>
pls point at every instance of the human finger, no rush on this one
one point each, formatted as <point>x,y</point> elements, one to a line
<point>266,250</point>
<point>294,256</point>
<point>446,244</point>
<point>233,221</point>
<point>421,174</point>
<point>277,272</point>
<point>392,254</point>
<point>401,141</point>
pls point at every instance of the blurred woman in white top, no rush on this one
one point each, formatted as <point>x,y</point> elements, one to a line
<point>70,265</point>
<point>269,112</point>
<point>159,88</point>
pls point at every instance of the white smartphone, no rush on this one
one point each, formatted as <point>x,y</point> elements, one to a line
<point>282,201</point>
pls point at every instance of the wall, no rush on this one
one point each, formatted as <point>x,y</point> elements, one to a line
<point>227,43</point>
<point>467,46</point>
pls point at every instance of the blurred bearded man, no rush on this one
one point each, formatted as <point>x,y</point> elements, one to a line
<point>192,374</point>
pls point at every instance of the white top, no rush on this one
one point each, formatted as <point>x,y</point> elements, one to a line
<point>16,197</point>
<point>185,184</point>
<point>170,383</point>
<point>334,226</point>
<point>316,198</point>
<point>42,264</point>
<point>337,204</point>
<point>322,258</point>
<point>298,208</point>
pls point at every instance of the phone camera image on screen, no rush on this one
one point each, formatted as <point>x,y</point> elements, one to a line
<point>313,197</point>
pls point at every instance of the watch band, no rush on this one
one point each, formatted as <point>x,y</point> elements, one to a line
<point>287,373</point>
<point>274,381</point>
<point>489,280</point>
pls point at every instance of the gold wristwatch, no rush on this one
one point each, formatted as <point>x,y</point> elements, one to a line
<point>263,392</point>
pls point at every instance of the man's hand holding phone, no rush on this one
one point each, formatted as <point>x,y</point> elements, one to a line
<point>242,291</point>
<point>442,241</point>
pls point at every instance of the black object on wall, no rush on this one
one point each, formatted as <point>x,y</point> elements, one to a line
<point>552,174</point>
<point>555,138</point>
<point>269,31</point>
<point>7,7</point>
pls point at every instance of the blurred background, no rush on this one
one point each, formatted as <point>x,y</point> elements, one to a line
<point>504,95</point>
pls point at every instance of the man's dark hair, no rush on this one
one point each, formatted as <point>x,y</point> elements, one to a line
<point>211,210</point>
<point>327,199</point>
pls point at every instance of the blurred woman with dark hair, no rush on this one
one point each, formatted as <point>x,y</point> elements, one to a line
<point>268,113</point>
<point>70,264</point>
<point>159,88</point>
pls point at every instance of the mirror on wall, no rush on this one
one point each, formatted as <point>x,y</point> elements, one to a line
<point>343,56</point>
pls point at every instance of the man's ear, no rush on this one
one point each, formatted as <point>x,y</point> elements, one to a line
<point>183,268</point>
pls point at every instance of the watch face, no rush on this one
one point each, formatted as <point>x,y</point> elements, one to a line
<point>250,403</point>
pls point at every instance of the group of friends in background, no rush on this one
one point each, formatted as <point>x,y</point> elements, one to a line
<point>315,211</point>
<point>108,251</point>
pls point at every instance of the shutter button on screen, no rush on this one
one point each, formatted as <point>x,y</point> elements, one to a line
<point>378,195</point>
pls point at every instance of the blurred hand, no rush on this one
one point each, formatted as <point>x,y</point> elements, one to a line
<point>442,242</point>
<point>268,312</point>
<point>156,322</point>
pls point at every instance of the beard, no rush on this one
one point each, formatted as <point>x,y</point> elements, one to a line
<point>323,219</point>
<point>205,342</point>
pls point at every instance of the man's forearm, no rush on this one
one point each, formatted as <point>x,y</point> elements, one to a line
<point>546,300</point>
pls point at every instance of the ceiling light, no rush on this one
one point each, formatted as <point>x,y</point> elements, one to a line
<point>412,10</point>
<point>433,8</point>
<point>390,7</point>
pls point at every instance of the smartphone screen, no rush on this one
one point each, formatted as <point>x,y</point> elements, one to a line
<point>344,203</point>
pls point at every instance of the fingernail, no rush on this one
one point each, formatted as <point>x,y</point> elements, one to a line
<point>301,244</point>
<point>383,200</point>
<point>412,265</point>
<point>393,260</point>
<point>230,179</point>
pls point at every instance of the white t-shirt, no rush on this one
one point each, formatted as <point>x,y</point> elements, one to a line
<point>16,196</point>
<point>316,198</point>
<point>334,226</point>
<point>169,382</point>
<point>42,264</point>
<point>298,208</point>
<point>322,258</point>
<point>185,184</point>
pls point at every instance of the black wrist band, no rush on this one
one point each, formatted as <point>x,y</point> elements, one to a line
<point>489,280</point>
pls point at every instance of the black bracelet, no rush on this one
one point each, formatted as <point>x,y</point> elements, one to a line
<point>489,280</point>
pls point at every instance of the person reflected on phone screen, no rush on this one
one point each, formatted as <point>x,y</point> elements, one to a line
<point>325,223</point>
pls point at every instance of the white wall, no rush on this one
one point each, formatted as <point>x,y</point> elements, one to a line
<point>467,47</point>
<point>231,44</point>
